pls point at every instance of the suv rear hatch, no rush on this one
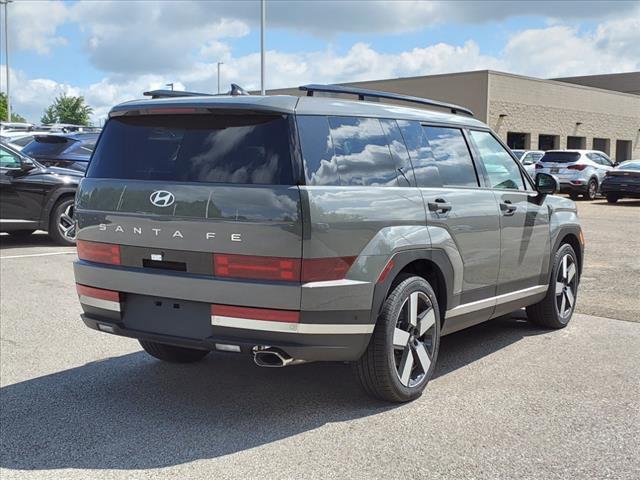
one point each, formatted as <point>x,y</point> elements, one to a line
<point>558,162</point>
<point>184,206</point>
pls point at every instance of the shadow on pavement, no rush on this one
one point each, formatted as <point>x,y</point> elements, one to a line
<point>39,239</point>
<point>132,412</point>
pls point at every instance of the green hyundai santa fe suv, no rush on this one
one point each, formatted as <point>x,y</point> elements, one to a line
<point>316,228</point>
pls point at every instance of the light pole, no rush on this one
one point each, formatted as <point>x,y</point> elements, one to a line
<point>219,63</point>
<point>6,49</point>
<point>170,85</point>
<point>263,15</point>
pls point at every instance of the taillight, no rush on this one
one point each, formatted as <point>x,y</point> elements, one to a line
<point>280,268</point>
<point>321,269</point>
<point>98,252</point>
<point>256,267</point>
<point>99,293</point>
<point>250,313</point>
<point>576,167</point>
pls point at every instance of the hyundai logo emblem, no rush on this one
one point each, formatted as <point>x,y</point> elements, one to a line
<point>162,198</point>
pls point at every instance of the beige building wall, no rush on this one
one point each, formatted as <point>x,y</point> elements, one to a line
<point>535,107</point>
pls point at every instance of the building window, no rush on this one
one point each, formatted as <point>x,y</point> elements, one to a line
<point>623,150</point>
<point>548,142</point>
<point>602,145</point>
<point>518,140</point>
<point>578,143</point>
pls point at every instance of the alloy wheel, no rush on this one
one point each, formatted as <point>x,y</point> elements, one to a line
<point>593,190</point>
<point>566,282</point>
<point>66,223</point>
<point>414,339</point>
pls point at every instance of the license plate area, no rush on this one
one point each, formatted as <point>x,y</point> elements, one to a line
<point>555,170</point>
<point>166,316</point>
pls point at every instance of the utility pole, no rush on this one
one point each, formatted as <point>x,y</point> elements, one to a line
<point>6,49</point>
<point>263,15</point>
<point>219,63</point>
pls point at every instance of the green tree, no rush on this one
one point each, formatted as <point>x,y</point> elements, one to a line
<point>67,109</point>
<point>15,117</point>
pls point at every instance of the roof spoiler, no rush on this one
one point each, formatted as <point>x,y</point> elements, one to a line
<point>235,91</point>
<point>365,92</point>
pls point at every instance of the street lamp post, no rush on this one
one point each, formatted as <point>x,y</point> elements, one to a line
<point>263,15</point>
<point>6,49</point>
<point>219,63</point>
<point>170,85</point>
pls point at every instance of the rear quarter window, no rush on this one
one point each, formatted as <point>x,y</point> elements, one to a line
<point>236,149</point>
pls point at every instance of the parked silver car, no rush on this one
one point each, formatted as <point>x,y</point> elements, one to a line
<point>578,171</point>
<point>529,158</point>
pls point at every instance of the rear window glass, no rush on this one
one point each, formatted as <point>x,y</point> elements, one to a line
<point>47,146</point>
<point>22,141</point>
<point>247,149</point>
<point>561,157</point>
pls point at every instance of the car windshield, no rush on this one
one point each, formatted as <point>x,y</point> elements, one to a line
<point>518,153</point>
<point>561,157</point>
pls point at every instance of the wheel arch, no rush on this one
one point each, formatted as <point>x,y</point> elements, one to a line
<point>570,235</point>
<point>52,200</point>
<point>431,264</point>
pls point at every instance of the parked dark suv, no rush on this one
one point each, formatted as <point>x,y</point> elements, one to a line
<point>316,229</point>
<point>71,150</point>
<point>34,197</point>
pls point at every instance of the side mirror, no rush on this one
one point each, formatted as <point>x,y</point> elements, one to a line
<point>547,184</point>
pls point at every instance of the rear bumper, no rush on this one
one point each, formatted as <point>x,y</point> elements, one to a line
<point>334,322</point>
<point>621,190</point>
<point>568,187</point>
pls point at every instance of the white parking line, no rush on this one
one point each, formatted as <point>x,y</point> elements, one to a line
<point>38,255</point>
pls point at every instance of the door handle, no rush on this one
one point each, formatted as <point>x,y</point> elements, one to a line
<point>508,208</point>
<point>439,205</point>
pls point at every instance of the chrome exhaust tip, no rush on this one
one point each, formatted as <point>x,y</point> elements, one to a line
<point>264,356</point>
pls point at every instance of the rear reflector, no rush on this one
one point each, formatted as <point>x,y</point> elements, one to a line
<point>289,316</point>
<point>321,269</point>
<point>98,252</point>
<point>85,291</point>
<point>257,268</point>
<point>385,271</point>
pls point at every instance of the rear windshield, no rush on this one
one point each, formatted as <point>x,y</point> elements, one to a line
<point>561,157</point>
<point>47,146</point>
<point>195,148</point>
<point>518,153</point>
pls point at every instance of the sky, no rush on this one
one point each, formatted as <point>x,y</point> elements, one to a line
<point>112,51</point>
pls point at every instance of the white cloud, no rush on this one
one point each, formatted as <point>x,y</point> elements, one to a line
<point>33,25</point>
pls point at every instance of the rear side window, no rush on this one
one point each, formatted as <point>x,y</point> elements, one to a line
<point>23,141</point>
<point>47,145</point>
<point>440,155</point>
<point>240,149</point>
<point>561,157</point>
<point>352,151</point>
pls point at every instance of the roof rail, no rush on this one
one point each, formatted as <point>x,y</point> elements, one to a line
<point>173,94</point>
<point>365,92</point>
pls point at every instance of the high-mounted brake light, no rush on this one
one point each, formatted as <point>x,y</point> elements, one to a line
<point>98,252</point>
<point>250,313</point>
<point>256,267</point>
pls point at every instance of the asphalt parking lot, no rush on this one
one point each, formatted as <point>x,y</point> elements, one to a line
<point>508,400</point>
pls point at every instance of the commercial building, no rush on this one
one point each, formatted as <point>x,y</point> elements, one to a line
<point>532,113</point>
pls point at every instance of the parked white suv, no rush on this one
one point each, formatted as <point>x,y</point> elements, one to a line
<point>578,171</point>
<point>529,158</point>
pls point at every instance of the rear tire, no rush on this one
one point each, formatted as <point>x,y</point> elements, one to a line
<point>592,190</point>
<point>21,234</point>
<point>173,354</point>
<point>402,353</point>
<point>612,198</point>
<point>62,228</point>
<point>557,307</point>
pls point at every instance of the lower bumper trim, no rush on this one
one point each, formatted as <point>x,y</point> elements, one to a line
<point>289,327</point>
